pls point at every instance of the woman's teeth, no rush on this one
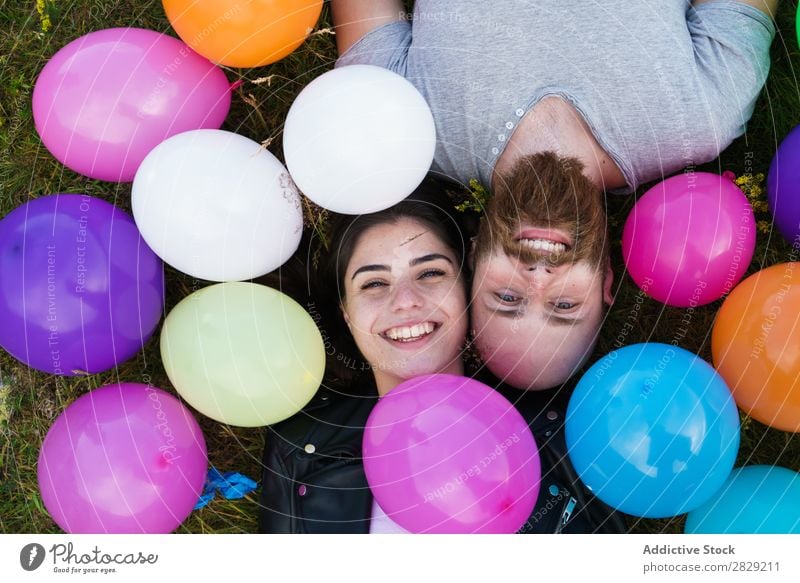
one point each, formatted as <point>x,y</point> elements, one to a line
<point>408,333</point>
<point>544,245</point>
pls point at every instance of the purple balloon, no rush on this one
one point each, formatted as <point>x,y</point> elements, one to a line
<point>124,458</point>
<point>80,290</point>
<point>447,454</point>
<point>689,239</point>
<point>107,98</point>
<point>783,188</point>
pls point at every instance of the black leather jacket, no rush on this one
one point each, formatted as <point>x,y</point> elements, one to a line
<point>313,479</point>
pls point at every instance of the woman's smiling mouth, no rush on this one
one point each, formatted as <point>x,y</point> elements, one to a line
<point>412,333</point>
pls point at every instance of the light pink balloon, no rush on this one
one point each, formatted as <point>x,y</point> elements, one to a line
<point>447,454</point>
<point>124,458</point>
<point>107,98</point>
<point>689,239</point>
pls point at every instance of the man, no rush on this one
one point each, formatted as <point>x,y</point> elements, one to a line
<point>618,93</point>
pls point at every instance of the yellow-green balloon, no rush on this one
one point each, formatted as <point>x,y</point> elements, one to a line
<point>243,354</point>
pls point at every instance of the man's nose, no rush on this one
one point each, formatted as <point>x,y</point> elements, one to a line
<point>540,273</point>
<point>406,296</point>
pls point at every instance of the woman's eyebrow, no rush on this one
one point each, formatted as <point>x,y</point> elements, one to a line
<point>365,268</point>
<point>429,257</point>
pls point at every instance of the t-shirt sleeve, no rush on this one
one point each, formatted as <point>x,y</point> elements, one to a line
<point>386,46</point>
<point>731,44</point>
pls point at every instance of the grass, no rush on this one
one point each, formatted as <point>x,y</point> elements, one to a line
<point>30,401</point>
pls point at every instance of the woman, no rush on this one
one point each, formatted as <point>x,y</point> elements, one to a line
<point>396,281</point>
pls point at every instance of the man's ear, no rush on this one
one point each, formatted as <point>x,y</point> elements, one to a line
<point>608,282</point>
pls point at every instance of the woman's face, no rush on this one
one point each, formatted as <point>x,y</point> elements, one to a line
<point>405,302</point>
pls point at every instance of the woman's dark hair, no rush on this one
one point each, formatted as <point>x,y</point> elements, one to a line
<point>428,204</point>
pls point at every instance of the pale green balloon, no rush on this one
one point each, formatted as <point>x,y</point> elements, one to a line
<point>242,353</point>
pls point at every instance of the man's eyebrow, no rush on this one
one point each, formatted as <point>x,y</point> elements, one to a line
<point>557,320</point>
<point>366,268</point>
<point>429,257</point>
<point>510,314</point>
<point>561,321</point>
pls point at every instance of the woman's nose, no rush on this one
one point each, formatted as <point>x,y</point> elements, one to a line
<point>407,296</point>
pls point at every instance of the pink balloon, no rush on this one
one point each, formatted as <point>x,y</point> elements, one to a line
<point>124,458</point>
<point>689,239</point>
<point>447,454</point>
<point>107,98</point>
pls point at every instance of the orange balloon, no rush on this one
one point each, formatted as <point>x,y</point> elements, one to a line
<point>243,33</point>
<point>755,345</point>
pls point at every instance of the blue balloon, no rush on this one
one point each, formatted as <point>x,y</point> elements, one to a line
<point>753,500</point>
<point>652,430</point>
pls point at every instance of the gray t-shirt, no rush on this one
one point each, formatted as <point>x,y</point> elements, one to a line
<point>662,85</point>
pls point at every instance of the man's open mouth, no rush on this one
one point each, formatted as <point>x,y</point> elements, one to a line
<point>545,240</point>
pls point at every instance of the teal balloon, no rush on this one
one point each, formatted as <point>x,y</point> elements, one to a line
<point>652,430</point>
<point>753,500</point>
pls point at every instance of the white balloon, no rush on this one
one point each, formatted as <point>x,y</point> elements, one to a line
<point>217,206</point>
<point>359,139</point>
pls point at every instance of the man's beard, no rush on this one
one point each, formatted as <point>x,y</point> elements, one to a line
<point>574,207</point>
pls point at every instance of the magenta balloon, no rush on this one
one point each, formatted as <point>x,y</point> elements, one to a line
<point>447,454</point>
<point>80,290</point>
<point>689,239</point>
<point>125,458</point>
<point>107,98</point>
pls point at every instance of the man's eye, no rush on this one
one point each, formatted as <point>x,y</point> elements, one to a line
<point>507,298</point>
<point>564,306</point>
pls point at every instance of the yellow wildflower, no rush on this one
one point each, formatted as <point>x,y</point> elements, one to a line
<point>745,421</point>
<point>763,226</point>
<point>751,186</point>
<point>760,206</point>
<point>44,18</point>
<point>477,200</point>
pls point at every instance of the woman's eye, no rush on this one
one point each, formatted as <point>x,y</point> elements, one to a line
<point>431,273</point>
<point>373,284</point>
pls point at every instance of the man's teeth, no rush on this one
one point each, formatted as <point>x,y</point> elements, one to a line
<point>410,332</point>
<point>544,245</point>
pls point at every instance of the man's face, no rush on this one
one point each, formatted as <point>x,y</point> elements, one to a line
<point>541,274</point>
<point>536,324</point>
